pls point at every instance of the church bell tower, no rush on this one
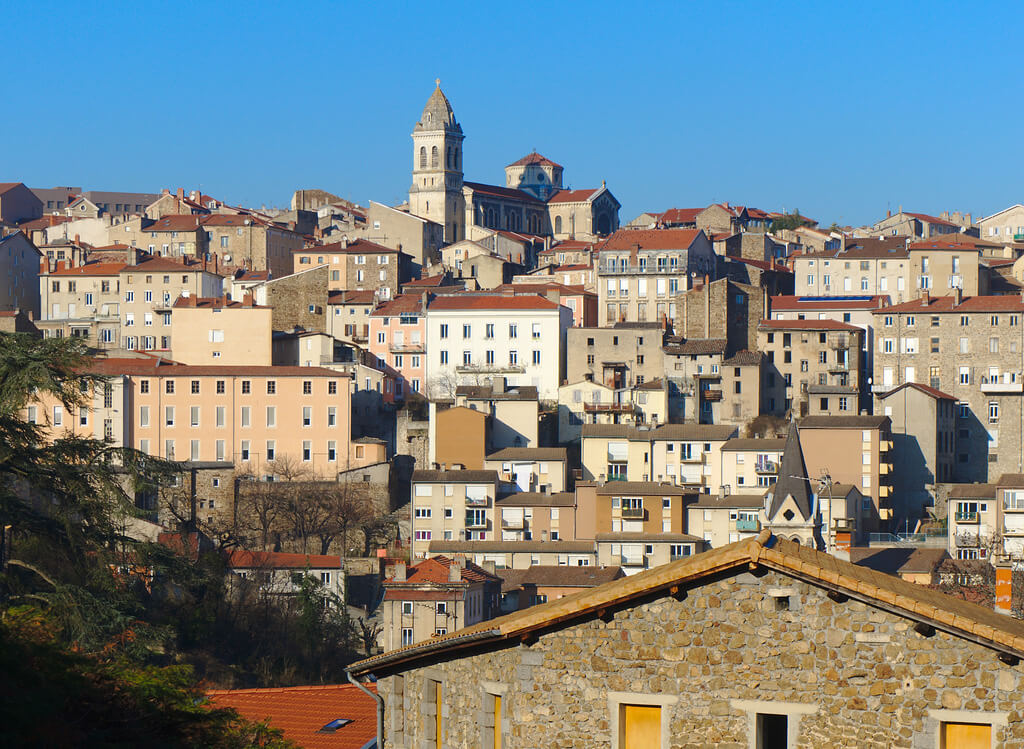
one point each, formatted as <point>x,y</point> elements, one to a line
<point>436,192</point>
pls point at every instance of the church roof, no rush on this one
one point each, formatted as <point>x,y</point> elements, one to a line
<point>438,114</point>
<point>792,478</point>
<point>535,159</point>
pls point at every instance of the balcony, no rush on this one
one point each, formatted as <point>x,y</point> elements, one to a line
<point>766,466</point>
<point>967,540</point>
<point>472,522</point>
<point>693,458</point>
<point>839,366</point>
<point>631,560</point>
<point>1010,383</point>
<point>413,347</point>
<point>966,517</point>
<point>712,396</point>
<point>839,343</point>
<point>609,408</point>
<point>884,491</point>
<point>748,525</point>
<point>476,501</point>
<point>1015,532</point>
<point>633,512</point>
<point>513,524</point>
<point>884,468</point>
<point>490,369</point>
<point>606,270</point>
<point>844,525</point>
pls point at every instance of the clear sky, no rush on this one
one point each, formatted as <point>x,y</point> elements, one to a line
<point>840,110</point>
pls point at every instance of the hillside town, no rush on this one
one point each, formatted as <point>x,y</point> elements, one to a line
<point>714,470</point>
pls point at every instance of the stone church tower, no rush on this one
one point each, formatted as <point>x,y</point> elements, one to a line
<point>436,192</point>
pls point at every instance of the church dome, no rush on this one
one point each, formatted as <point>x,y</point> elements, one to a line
<point>438,114</point>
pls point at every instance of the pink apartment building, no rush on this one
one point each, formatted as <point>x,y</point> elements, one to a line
<point>398,338</point>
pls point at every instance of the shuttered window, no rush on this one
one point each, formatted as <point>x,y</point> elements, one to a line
<point>640,726</point>
<point>966,736</point>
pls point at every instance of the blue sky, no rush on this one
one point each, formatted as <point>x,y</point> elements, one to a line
<point>839,111</point>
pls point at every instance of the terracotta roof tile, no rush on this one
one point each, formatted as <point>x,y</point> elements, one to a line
<point>301,712</point>
<point>501,192</point>
<point>534,158</point>
<point>940,304</point>
<point>282,560</point>
<point>186,222</point>
<point>926,389</point>
<point>651,239</point>
<point>90,269</point>
<point>574,196</point>
<point>807,325</point>
<point>679,215</point>
<point>802,303</point>
<point>491,302</point>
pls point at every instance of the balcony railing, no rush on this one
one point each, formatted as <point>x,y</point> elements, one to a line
<point>748,525</point>
<point>839,343</point>
<point>476,522</point>
<point>476,502</point>
<point>843,525</point>
<point>609,407</point>
<point>1010,382</point>
<point>968,540</point>
<point>966,517</point>
<point>631,560</point>
<point>654,269</point>
<point>513,524</point>
<point>633,512</point>
<point>713,396</point>
<point>490,369</point>
<point>766,466</point>
<point>407,348</point>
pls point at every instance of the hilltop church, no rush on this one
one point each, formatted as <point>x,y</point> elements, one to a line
<point>532,201</point>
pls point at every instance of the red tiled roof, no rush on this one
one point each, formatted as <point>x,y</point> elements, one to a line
<point>939,304</point>
<point>808,325</point>
<point>951,242</point>
<point>500,192</point>
<point>351,296</point>
<point>5,186</point>
<point>161,264</point>
<point>817,303</point>
<point>300,712</point>
<point>429,281</point>
<point>399,594</point>
<point>401,304</point>
<point>490,302</point>
<point>571,244</point>
<point>534,158</point>
<point>651,239</point>
<point>356,245</point>
<point>762,264</point>
<point>930,219</point>
<point>574,196</point>
<point>157,367</point>
<point>679,215</point>
<point>283,560</point>
<point>933,392</point>
<point>213,302</point>
<point>435,570</point>
<point>91,269</point>
<point>561,268</point>
<point>541,287</point>
<point>229,219</point>
<point>185,222</point>
<point>43,223</point>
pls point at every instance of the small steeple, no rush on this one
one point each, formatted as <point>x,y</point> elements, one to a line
<point>793,480</point>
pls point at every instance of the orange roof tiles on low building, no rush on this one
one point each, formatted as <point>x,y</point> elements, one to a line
<point>575,196</point>
<point>802,303</point>
<point>336,716</point>
<point>281,560</point>
<point>939,304</point>
<point>354,246</point>
<point>185,222</point>
<point>807,325</point>
<point>535,159</point>
<point>651,239</point>
<point>679,215</point>
<point>215,302</point>
<point>90,269</point>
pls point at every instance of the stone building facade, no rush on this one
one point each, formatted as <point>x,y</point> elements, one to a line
<point>759,643</point>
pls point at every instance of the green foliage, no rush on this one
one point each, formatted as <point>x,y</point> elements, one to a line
<point>791,220</point>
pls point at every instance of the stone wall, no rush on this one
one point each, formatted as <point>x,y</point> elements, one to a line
<point>846,674</point>
<point>291,298</point>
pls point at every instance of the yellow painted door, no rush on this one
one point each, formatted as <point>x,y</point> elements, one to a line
<point>641,727</point>
<point>438,735</point>
<point>967,736</point>
<point>497,721</point>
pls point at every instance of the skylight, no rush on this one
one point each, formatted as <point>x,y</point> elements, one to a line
<point>334,725</point>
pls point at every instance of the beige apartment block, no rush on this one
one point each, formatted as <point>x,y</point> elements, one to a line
<point>249,415</point>
<point>854,451</point>
<point>521,555</point>
<point>348,315</point>
<point>434,597</point>
<point>419,237</point>
<point>750,465</point>
<point>801,353</point>
<point>636,552</point>
<point>218,331</point>
<point>452,505</point>
<point>357,265</point>
<point>680,454</point>
<point>530,469</point>
<point>724,518</point>
<point>866,266</point>
<point>82,301</point>
<point>1005,226</point>
<point>639,273</point>
<point>619,356</point>
<point>541,516</point>
<point>251,242</point>
<point>19,268</point>
<point>513,413</point>
<point>588,402</point>
<point>970,348</point>
<point>904,223</point>
<point>709,387</point>
<point>171,236</point>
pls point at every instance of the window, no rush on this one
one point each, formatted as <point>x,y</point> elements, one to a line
<point>993,412</point>
<point>513,330</point>
<point>307,451</point>
<point>271,451</point>
<point>195,387</point>
<point>271,387</point>
<point>444,331</point>
<point>271,416</point>
<point>220,387</point>
<point>169,387</point>
<point>246,416</point>
<point>169,416</point>
<point>246,387</point>
<point>332,416</point>
<point>406,631</point>
<point>332,387</point>
<point>332,451</point>
<point>194,416</point>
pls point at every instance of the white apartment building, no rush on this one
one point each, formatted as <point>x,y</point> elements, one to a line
<point>474,338</point>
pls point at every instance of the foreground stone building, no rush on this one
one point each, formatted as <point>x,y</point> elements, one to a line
<point>760,643</point>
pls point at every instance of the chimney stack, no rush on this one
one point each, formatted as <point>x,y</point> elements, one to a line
<point>400,573</point>
<point>958,296</point>
<point>455,570</point>
<point>925,297</point>
<point>181,193</point>
<point>1004,587</point>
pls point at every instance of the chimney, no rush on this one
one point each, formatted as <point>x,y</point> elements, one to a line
<point>958,296</point>
<point>721,491</point>
<point>344,242</point>
<point>400,576</point>
<point>165,191</point>
<point>181,193</point>
<point>498,385</point>
<point>1004,587</point>
<point>888,213</point>
<point>455,570</point>
<point>77,239</point>
<point>925,297</point>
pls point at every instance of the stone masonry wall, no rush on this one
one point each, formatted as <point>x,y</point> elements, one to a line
<point>859,676</point>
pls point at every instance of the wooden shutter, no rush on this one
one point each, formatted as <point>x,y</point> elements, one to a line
<point>641,727</point>
<point>437,716</point>
<point>966,736</point>
<point>497,722</point>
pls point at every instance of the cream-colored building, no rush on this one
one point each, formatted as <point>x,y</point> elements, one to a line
<point>434,597</point>
<point>218,331</point>
<point>589,402</point>
<point>541,516</point>
<point>678,454</point>
<point>1005,226</point>
<point>513,413</point>
<point>530,469</point>
<point>455,505</point>
<point>521,555</point>
<point>750,465</point>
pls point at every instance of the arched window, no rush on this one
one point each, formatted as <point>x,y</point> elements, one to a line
<point>423,157</point>
<point>433,157</point>
<point>558,224</point>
